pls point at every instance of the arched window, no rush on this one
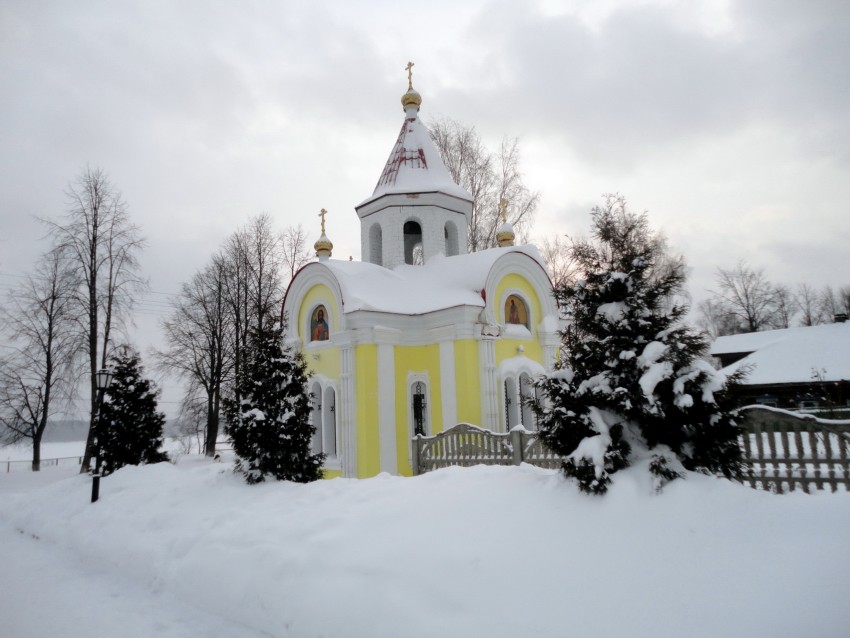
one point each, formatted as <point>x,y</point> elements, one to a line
<point>319,324</point>
<point>516,312</point>
<point>413,253</point>
<point>316,417</point>
<point>323,418</point>
<point>329,423</point>
<point>419,408</point>
<point>450,232</point>
<point>518,393</point>
<point>511,404</point>
<point>376,245</point>
<point>527,393</point>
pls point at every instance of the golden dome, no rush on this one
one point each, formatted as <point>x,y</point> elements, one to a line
<point>323,246</point>
<point>411,98</point>
<point>505,235</point>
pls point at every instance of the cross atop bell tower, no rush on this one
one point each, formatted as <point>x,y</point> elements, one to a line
<point>416,210</point>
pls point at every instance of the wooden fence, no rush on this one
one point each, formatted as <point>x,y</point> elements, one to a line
<point>782,451</point>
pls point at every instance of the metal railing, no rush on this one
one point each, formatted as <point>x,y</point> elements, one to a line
<point>62,461</point>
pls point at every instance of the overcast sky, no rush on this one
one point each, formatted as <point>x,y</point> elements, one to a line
<point>729,122</point>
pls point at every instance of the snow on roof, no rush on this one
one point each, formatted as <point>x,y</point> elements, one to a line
<point>791,355</point>
<point>442,282</point>
<point>414,165</point>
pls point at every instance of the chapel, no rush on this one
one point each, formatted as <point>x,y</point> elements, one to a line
<point>420,335</point>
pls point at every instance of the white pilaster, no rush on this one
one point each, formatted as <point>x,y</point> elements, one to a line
<point>348,411</point>
<point>489,386</point>
<point>386,408</point>
<point>448,385</point>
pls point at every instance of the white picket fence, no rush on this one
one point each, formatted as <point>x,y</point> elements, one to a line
<point>785,451</point>
<point>782,451</point>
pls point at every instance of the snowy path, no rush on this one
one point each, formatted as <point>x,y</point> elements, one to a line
<point>46,592</point>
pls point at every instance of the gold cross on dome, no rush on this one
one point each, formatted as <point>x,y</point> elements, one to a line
<point>409,69</point>
<point>503,209</point>
<point>322,215</point>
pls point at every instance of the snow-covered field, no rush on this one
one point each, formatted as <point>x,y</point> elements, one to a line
<point>190,550</point>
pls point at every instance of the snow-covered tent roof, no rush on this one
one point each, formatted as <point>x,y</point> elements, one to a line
<point>414,164</point>
<point>442,282</point>
<point>791,355</point>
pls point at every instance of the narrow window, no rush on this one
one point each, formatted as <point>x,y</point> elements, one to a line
<point>511,403</point>
<point>419,408</point>
<point>450,234</point>
<point>316,418</point>
<point>376,245</point>
<point>526,387</point>
<point>413,251</point>
<point>329,423</point>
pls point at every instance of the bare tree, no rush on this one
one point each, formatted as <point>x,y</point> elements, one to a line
<point>102,246</point>
<point>38,318</point>
<point>199,346</point>
<point>833,302</point>
<point>253,288</point>
<point>296,250</point>
<point>714,319</point>
<point>783,307</point>
<point>240,291</point>
<point>806,303</point>
<point>559,261</point>
<point>843,295</point>
<point>489,177</point>
<point>747,295</point>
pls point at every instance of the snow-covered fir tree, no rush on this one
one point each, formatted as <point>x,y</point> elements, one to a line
<point>270,427</point>
<point>633,384</point>
<point>129,430</point>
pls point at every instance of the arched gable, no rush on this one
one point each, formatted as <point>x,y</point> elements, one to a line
<point>516,273</point>
<point>313,286</point>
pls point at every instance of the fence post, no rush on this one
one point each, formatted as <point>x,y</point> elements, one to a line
<point>516,444</point>
<point>414,462</point>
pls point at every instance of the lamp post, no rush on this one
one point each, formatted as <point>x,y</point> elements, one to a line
<point>103,378</point>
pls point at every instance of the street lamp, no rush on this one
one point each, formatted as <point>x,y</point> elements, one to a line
<point>102,378</point>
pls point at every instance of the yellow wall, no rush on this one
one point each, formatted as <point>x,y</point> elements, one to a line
<point>325,359</point>
<point>322,358</point>
<point>319,293</point>
<point>366,400</point>
<point>468,371</point>
<point>519,283</point>
<point>505,347</point>
<point>417,360</point>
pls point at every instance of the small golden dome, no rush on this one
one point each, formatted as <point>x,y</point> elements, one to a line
<point>323,246</point>
<point>505,235</point>
<point>411,98</point>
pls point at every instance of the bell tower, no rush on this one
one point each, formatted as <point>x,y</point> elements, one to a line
<point>416,210</point>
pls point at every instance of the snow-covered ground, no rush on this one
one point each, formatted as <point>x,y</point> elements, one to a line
<point>190,550</point>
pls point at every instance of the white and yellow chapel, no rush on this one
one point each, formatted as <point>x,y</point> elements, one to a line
<point>420,335</point>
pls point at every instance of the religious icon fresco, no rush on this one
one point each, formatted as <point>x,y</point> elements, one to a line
<point>319,325</point>
<point>515,311</point>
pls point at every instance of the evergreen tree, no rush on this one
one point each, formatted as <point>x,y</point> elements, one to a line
<point>271,428</point>
<point>129,430</point>
<point>633,382</point>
